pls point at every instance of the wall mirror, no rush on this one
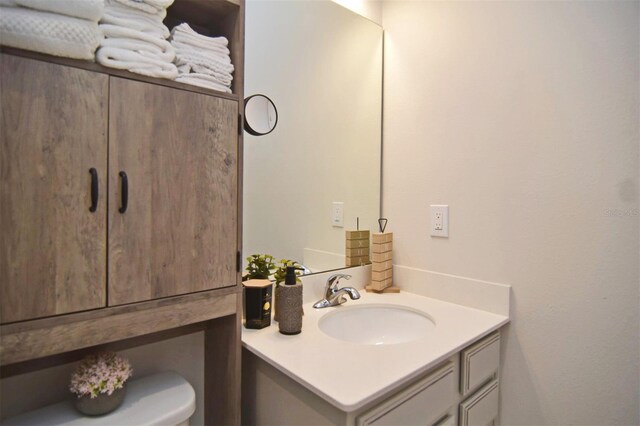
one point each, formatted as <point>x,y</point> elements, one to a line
<point>321,65</point>
<point>260,115</point>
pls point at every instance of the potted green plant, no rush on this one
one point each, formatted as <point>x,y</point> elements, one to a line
<point>281,270</point>
<point>279,275</point>
<point>259,267</point>
<point>99,382</point>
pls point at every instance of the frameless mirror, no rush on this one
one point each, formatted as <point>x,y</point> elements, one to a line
<point>260,115</point>
<point>318,174</point>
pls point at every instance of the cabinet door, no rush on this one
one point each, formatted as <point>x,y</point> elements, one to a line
<point>53,130</point>
<point>179,152</point>
<point>479,363</point>
<point>482,407</point>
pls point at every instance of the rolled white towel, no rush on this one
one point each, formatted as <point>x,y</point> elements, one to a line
<point>143,48</point>
<point>180,41</point>
<point>199,43</point>
<point>117,32</point>
<point>160,4</point>
<point>185,34</point>
<point>90,10</point>
<point>222,77</point>
<point>117,14</point>
<point>136,62</point>
<point>192,57</point>
<point>134,12</point>
<point>185,29</point>
<point>50,33</point>
<point>203,80</point>
<point>149,6</point>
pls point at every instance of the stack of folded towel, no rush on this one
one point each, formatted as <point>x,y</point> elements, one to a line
<point>62,28</point>
<point>201,60</point>
<point>136,39</point>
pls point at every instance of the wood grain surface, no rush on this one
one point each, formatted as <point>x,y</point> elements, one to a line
<point>55,339</point>
<point>179,233</point>
<point>222,369</point>
<point>97,68</point>
<point>53,130</point>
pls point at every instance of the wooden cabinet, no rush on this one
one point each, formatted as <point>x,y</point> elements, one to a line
<point>105,268</point>
<point>72,280</point>
<point>179,153</point>
<point>53,130</point>
<point>173,154</point>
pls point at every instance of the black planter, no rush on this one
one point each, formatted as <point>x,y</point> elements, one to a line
<point>102,404</point>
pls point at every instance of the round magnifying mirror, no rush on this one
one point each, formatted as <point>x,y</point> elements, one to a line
<point>260,115</point>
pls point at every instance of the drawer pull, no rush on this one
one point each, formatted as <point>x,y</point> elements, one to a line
<point>94,190</point>
<point>124,194</point>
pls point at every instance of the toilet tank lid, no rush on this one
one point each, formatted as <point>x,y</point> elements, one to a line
<point>160,399</point>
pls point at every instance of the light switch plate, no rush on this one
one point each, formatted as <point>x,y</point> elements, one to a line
<point>439,220</point>
<point>337,214</point>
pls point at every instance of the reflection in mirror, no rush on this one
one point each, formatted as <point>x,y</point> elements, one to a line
<point>260,115</point>
<point>321,64</point>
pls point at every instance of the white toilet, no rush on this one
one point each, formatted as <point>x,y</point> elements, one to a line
<point>165,399</point>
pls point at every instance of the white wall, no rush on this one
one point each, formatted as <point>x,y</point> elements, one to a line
<point>523,117</point>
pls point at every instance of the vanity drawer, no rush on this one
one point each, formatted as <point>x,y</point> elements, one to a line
<point>422,403</point>
<point>482,407</point>
<point>479,363</point>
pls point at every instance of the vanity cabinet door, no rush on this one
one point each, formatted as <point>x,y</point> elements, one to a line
<point>178,151</point>
<point>479,363</point>
<point>482,407</point>
<point>53,130</point>
<point>427,402</point>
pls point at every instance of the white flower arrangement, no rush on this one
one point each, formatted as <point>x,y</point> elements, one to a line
<point>103,373</point>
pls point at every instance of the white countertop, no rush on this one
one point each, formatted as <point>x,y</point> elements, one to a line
<point>350,375</point>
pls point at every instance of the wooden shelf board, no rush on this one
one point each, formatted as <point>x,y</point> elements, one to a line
<point>45,337</point>
<point>95,67</point>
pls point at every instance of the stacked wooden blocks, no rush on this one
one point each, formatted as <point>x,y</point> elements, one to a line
<point>381,261</point>
<point>357,248</point>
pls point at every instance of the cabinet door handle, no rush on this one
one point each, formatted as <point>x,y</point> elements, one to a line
<point>94,189</point>
<point>124,192</point>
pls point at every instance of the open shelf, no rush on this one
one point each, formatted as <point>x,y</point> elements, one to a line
<point>215,18</point>
<point>212,18</point>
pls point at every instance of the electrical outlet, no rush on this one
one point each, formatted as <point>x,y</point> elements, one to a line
<point>337,214</point>
<point>439,221</point>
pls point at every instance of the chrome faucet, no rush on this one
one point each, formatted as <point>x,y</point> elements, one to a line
<point>334,296</point>
<point>305,270</point>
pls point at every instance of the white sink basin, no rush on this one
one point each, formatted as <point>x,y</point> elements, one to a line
<point>376,324</point>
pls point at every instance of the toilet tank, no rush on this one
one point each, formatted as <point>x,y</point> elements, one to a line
<point>165,399</point>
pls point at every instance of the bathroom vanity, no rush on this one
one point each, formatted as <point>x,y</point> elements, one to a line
<point>439,366</point>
